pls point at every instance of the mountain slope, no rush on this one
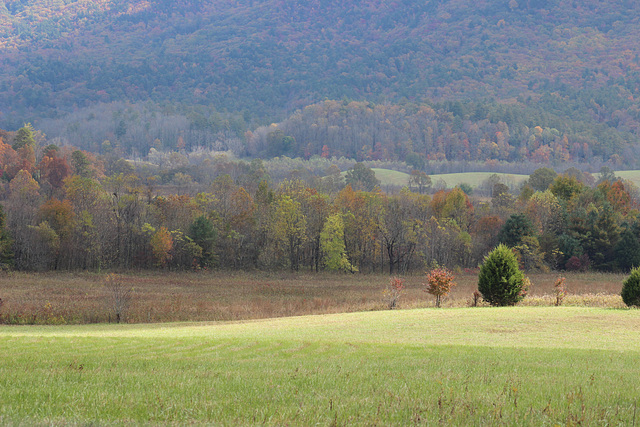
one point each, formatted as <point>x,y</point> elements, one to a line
<point>270,56</point>
<point>569,67</point>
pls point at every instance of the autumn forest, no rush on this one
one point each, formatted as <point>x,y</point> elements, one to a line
<point>68,209</point>
<point>543,81</point>
<point>242,135</point>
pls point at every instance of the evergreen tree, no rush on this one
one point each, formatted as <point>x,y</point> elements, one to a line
<point>81,164</point>
<point>627,251</point>
<point>513,231</point>
<point>631,289</point>
<point>602,237</point>
<point>6,243</point>
<point>500,280</point>
<point>204,235</point>
<point>24,137</point>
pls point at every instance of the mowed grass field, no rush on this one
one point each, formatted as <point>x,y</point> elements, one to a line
<point>451,366</point>
<point>389,177</point>
<point>474,179</point>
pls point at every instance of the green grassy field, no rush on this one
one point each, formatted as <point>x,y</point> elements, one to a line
<point>633,176</point>
<point>474,179</point>
<point>391,177</point>
<point>463,366</point>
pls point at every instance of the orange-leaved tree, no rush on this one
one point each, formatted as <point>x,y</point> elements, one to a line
<point>439,283</point>
<point>161,245</point>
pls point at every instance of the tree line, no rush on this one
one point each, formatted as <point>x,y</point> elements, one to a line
<point>63,209</point>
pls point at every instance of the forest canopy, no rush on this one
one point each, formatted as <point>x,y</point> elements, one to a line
<point>68,209</point>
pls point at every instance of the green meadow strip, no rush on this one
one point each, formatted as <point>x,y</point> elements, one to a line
<point>522,365</point>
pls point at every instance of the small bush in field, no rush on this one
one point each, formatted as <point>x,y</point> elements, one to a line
<point>631,289</point>
<point>393,291</point>
<point>560,290</point>
<point>526,285</point>
<point>500,281</point>
<point>439,283</point>
<point>475,298</point>
<point>578,264</point>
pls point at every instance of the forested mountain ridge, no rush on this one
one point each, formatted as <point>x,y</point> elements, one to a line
<point>561,63</point>
<point>263,54</point>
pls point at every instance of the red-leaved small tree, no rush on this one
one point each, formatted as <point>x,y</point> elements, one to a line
<point>439,283</point>
<point>392,292</point>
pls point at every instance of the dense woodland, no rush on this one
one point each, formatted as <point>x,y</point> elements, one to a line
<point>417,134</point>
<point>536,80</point>
<point>69,209</point>
<point>462,133</point>
<point>152,118</point>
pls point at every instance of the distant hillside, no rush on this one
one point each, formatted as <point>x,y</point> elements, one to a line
<point>564,60</point>
<point>283,54</point>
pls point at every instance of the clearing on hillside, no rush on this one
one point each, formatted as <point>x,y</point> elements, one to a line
<point>389,177</point>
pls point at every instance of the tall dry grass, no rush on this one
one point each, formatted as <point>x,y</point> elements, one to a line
<point>167,297</point>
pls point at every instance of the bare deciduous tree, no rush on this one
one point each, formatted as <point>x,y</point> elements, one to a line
<point>119,297</point>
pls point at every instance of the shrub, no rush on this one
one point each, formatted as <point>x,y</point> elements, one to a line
<point>500,280</point>
<point>631,289</point>
<point>393,291</point>
<point>560,290</point>
<point>578,264</point>
<point>439,283</point>
<point>475,298</point>
<point>526,285</point>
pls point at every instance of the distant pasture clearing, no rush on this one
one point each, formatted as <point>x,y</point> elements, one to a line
<point>389,177</point>
<point>631,175</point>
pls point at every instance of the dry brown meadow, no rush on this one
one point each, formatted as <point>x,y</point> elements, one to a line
<point>204,296</point>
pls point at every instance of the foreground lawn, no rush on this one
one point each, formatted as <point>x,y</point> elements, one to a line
<point>466,366</point>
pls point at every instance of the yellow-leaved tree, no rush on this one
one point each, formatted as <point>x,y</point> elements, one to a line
<point>332,245</point>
